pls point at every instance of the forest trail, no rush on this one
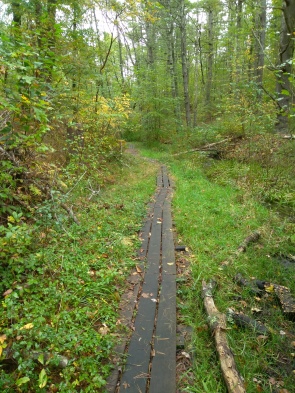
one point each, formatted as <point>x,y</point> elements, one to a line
<point>151,353</point>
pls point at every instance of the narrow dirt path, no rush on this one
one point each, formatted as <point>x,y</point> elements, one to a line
<point>151,352</point>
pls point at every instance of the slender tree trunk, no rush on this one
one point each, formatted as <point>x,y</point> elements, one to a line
<point>284,88</point>
<point>120,49</point>
<point>172,65</point>
<point>185,71</point>
<point>239,40</point>
<point>260,43</point>
<point>210,60</point>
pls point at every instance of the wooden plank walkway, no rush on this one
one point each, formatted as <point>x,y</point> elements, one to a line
<point>151,352</point>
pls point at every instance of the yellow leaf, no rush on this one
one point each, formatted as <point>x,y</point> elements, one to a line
<point>3,338</point>
<point>269,289</point>
<point>27,326</point>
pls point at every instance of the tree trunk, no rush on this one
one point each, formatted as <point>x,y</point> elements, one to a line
<point>284,88</point>
<point>209,61</point>
<point>260,43</point>
<point>185,71</point>
<point>172,65</point>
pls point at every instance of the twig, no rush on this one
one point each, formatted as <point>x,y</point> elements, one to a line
<point>93,192</point>
<point>81,177</point>
<point>71,213</point>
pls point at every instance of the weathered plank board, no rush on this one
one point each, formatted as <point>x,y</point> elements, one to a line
<point>136,374</point>
<point>163,376</point>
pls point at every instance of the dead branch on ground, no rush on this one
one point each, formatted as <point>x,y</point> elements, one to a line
<point>217,322</point>
<point>70,212</point>
<point>204,148</point>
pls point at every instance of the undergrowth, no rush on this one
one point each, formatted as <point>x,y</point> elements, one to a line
<point>62,282</point>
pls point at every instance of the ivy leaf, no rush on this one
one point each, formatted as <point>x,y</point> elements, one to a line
<point>28,79</point>
<point>42,378</point>
<point>22,381</point>
<point>41,358</point>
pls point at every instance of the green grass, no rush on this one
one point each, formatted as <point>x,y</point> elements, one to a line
<point>65,291</point>
<point>212,216</point>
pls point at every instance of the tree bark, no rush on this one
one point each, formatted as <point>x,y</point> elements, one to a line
<point>284,87</point>
<point>260,43</point>
<point>185,70</point>
<point>209,61</point>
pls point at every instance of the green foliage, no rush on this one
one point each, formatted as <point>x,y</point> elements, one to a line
<point>61,296</point>
<point>15,240</point>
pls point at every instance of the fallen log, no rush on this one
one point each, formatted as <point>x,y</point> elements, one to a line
<point>286,300</point>
<point>243,320</point>
<point>254,237</point>
<point>256,287</point>
<point>204,148</point>
<point>283,293</point>
<point>217,323</point>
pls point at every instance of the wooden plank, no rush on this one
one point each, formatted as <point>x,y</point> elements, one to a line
<point>163,373</point>
<point>136,374</point>
<point>134,378</point>
<point>128,301</point>
<point>168,254</point>
<point>165,177</point>
<point>160,180</point>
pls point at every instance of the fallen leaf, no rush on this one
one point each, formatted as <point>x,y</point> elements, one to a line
<point>282,333</point>
<point>185,354</point>
<point>104,330</point>
<point>8,292</point>
<point>27,326</point>
<point>145,295</point>
<point>261,337</point>
<point>269,288</point>
<point>255,309</point>
<point>3,337</point>
<point>138,269</point>
<point>126,241</point>
<point>272,381</point>
<point>243,303</point>
<point>170,263</point>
